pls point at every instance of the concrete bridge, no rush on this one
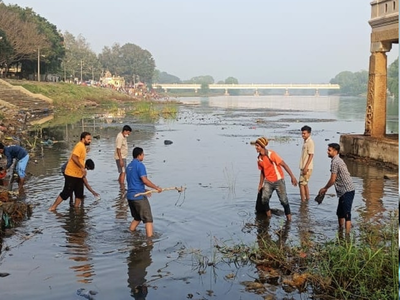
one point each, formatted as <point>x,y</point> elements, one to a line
<point>249,86</point>
<point>376,143</point>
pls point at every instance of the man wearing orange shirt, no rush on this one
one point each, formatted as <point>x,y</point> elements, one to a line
<point>271,177</point>
<point>74,173</point>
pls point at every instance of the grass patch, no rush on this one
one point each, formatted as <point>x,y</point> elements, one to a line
<point>152,111</point>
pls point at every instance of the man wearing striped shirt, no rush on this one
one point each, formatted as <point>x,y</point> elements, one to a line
<point>340,177</point>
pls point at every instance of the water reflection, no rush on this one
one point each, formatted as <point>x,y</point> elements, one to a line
<point>303,224</point>
<point>138,260</point>
<point>77,248</point>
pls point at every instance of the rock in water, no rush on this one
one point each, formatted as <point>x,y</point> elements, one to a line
<point>167,142</point>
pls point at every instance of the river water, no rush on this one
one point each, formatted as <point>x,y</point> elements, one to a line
<point>90,254</point>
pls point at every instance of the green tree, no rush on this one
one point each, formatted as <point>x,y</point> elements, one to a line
<point>351,84</point>
<point>164,77</point>
<point>6,49</point>
<point>232,80</point>
<point>205,88</point>
<point>201,79</point>
<point>130,61</point>
<point>393,79</point>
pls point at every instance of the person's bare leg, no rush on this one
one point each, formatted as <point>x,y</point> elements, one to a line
<point>341,223</point>
<point>121,178</point>
<point>77,202</point>
<point>306,192</point>
<point>56,203</point>
<point>268,213</point>
<point>149,229</point>
<point>289,217</point>
<point>134,224</point>
<point>21,185</point>
<point>348,226</point>
<point>302,193</point>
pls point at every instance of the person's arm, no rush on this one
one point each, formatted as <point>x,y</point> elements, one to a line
<point>75,159</point>
<point>287,169</point>
<point>309,159</point>
<point>86,183</point>
<point>330,182</point>
<point>148,183</point>
<point>261,183</point>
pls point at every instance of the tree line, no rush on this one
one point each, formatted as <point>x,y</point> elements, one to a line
<point>355,84</point>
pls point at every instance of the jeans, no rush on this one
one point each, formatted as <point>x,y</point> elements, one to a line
<point>280,188</point>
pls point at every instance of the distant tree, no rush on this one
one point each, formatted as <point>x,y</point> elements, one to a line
<point>205,88</point>
<point>6,49</point>
<point>130,61</point>
<point>22,35</point>
<point>351,84</point>
<point>393,79</point>
<point>79,56</point>
<point>164,77</point>
<point>232,80</point>
<point>201,79</point>
<point>220,82</point>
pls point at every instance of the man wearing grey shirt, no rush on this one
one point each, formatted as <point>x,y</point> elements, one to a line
<point>340,177</point>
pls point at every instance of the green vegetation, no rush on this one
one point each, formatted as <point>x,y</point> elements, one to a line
<point>152,111</point>
<point>355,84</point>
<point>344,268</point>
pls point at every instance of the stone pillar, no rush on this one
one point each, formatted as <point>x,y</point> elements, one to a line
<point>287,92</point>
<point>375,118</point>
<point>316,93</point>
<point>226,92</point>
<point>256,93</point>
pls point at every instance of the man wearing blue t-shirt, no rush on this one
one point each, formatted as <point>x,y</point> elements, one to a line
<point>136,176</point>
<point>21,156</point>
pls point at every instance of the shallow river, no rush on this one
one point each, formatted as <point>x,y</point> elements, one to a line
<point>66,254</point>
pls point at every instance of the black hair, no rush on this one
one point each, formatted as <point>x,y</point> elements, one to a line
<point>127,128</point>
<point>1,146</point>
<point>89,164</point>
<point>84,134</point>
<point>306,128</point>
<point>334,146</point>
<point>137,151</point>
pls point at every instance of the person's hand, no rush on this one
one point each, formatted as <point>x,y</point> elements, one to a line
<point>305,171</point>
<point>322,191</point>
<point>96,194</point>
<point>159,189</point>
<point>294,181</point>
<point>260,186</point>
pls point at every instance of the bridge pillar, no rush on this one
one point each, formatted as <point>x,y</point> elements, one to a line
<point>165,90</point>
<point>287,92</point>
<point>226,92</point>
<point>316,93</point>
<point>195,90</point>
<point>256,93</point>
<point>375,118</point>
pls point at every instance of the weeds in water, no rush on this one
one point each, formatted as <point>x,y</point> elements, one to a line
<point>345,268</point>
<point>230,177</point>
<point>152,111</point>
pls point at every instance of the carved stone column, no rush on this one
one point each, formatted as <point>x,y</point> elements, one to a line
<point>375,118</point>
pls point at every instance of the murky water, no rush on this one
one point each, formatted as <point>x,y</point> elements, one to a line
<point>68,254</point>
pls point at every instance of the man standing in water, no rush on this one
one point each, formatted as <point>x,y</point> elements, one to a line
<point>136,176</point>
<point>74,173</point>
<point>121,152</point>
<point>21,156</point>
<point>340,177</point>
<point>271,177</point>
<point>306,163</point>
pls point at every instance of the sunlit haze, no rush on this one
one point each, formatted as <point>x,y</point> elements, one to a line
<point>255,41</point>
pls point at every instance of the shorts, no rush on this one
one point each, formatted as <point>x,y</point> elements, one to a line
<point>72,185</point>
<point>119,166</point>
<point>303,180</point>
<point>21,166</point>
<point>344,206</point>
<point>141,210</point>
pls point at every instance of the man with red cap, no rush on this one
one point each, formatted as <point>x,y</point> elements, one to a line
<point>271,177</point>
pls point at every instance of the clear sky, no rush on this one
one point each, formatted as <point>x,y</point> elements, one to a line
<point>255,41</point>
